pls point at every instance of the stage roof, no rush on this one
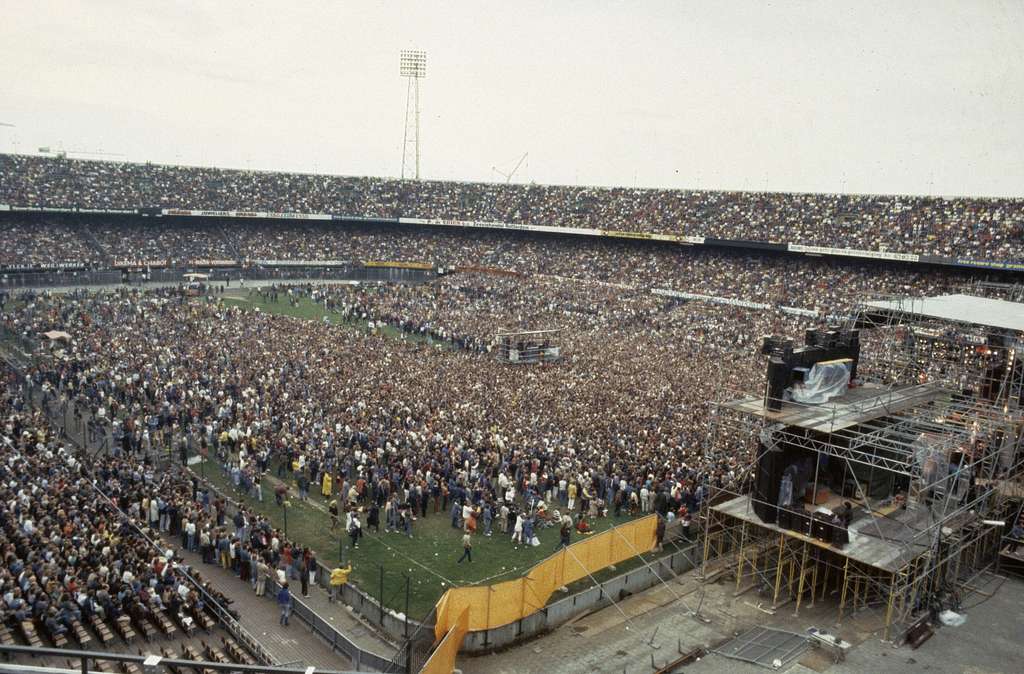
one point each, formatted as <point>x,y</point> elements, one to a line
<point>963,308</point>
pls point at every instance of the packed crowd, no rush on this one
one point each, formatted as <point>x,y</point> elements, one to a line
<point>815,283</point>
<point>628,404</point>
<point>625,414</point>
<point>394,427</point>
<point>160,241</point>
<point>87,533</point>
<point>78,536</point>
<point>970,227</point>
<point>467,309</point>
<point>45,242</point>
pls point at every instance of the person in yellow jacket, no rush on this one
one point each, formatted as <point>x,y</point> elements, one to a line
<point>326,487</point>
<point>339,577</point>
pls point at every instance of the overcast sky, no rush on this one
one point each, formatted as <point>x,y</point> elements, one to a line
<point>897,96</point>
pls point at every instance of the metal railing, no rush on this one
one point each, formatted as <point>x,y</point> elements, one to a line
<point>148,662</point>
<point>360,657</point>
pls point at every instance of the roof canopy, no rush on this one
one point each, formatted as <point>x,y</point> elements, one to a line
<point>961,308</point>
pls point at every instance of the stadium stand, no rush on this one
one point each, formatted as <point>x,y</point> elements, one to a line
<point>76,572</point>
<point>969,227</point>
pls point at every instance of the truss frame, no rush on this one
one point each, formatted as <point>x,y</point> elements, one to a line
<point>955,544</point>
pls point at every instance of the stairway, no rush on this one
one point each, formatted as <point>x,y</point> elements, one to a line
<point>236,255</point>
<point>94,243</point>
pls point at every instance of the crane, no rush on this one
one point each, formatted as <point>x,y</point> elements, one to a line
<point>508,176</point>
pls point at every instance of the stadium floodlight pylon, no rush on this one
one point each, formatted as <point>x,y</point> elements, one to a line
<point>413,67</point>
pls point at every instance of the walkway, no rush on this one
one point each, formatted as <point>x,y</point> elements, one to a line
<point>339,615</point>
<point>259,616</point>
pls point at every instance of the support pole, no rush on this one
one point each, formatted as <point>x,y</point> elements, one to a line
<point>707,544</point>
<point>803,575</point>
<point>739,557</point>
<point>417,128</point>
<point>846,584</point>
<point>888,611</point>
<point>407,607</point>
<point>778,570</point>
<point>814,581</point>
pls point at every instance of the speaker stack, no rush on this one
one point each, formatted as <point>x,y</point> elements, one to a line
<point>767,484</point>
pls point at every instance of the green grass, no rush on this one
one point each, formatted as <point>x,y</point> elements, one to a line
<point>308,309</point>
<point>429,558</point>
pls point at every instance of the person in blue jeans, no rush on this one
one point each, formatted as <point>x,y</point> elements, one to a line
<point>284,600</point>
<point>467,548</point>
<point>456,514</point>
<point>488,519</point>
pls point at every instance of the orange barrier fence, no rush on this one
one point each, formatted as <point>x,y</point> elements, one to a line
<point>490,606</point>
<point>442,660</point>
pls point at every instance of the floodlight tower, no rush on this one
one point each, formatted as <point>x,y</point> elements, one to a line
<point>413,67</point>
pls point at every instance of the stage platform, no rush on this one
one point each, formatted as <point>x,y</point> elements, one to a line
<point>857,406</point>
<point>885,541</point>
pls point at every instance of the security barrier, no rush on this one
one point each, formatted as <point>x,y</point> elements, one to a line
<point>490,606</point>
<point>442,660</point>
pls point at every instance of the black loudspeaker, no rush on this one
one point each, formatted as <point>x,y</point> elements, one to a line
<point>853,338</point>
<point>785,518</point>
<point>821,527</point>
<point>800,521</point>
<point>766,486</point>
<point>778,380</point>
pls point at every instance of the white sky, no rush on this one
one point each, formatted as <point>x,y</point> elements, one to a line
<point>891,96</point>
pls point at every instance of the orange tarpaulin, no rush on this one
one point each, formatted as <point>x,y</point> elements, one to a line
<point>490,606</point>
<point>442,660</point>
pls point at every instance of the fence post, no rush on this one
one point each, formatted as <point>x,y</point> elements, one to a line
<point>407,580</point>
<point>381,598</point>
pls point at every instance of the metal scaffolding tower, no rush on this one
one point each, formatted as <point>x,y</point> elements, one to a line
<point>929,447</point>
<point>413,67</point>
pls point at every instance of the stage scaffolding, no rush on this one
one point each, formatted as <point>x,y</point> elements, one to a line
<point>934,393</point>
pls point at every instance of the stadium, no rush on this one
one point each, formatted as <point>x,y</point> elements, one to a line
<point>281,421</point>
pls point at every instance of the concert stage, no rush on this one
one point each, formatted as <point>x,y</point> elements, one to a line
<point>927,449</point>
